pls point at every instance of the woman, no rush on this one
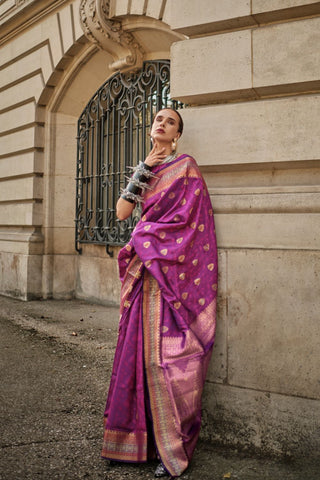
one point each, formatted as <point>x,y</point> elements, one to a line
<point>167,315</point>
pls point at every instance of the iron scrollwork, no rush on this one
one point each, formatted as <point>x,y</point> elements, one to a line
<point>112,136</point>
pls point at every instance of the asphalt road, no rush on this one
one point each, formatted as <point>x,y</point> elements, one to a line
<point>52,395</point>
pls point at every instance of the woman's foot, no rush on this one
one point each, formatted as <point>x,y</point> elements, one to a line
<point>161,471</point>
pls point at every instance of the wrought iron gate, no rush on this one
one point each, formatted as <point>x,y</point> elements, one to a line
<point>113,133</point>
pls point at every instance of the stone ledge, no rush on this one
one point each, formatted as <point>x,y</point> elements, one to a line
<point>266,14</point>
<point>249,94</point>
<point>213,28</point>
<point>265,202</point>
<point>25,241</point>
<point>261,13</point>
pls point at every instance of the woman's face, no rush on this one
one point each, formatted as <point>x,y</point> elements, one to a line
<point>165,126</point>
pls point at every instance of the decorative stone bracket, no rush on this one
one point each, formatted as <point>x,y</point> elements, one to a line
<point>109,35</point>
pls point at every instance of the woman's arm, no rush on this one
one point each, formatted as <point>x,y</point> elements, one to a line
<point>124,207</point>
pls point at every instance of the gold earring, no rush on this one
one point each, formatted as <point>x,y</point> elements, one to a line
<point>174,144</point>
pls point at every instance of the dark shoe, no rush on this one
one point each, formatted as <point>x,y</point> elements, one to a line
<point>161,471</point>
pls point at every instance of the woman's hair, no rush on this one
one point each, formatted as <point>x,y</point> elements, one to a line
<point>180,128</point>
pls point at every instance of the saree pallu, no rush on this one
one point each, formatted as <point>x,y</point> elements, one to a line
<point>167,323</point>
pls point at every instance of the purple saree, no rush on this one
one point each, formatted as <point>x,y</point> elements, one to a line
<point>167,323</point>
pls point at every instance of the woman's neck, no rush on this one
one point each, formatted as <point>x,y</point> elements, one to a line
<point>168,148</point>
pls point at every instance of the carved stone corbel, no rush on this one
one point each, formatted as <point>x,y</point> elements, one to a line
<point>109,35</point>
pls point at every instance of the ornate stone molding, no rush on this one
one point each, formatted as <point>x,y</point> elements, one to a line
<point>109,35</point>
<point>9,8</point>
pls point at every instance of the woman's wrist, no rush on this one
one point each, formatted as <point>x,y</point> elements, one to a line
<point>137,183</point>
<point>146,162</point>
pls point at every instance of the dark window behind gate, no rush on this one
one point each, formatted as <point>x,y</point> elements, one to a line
<point>113,134</point>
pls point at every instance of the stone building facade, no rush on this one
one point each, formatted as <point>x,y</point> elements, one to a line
<point>249,72</point>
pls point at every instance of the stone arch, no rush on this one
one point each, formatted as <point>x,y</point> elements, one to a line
<point>65,273</point>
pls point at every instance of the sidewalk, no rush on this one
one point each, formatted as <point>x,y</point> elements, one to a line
<point>56,359</point>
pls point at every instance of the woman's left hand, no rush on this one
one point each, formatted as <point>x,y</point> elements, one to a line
<point>156,156</point>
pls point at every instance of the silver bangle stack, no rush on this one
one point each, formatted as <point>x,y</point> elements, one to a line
<point>137,183</point>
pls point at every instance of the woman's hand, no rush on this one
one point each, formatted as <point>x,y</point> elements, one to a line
<point>155,156</point>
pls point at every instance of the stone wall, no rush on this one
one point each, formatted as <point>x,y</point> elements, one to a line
<point>249,72</point>
<point>38,43</point>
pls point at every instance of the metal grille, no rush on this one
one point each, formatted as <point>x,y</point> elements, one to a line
<point>113,134</point>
